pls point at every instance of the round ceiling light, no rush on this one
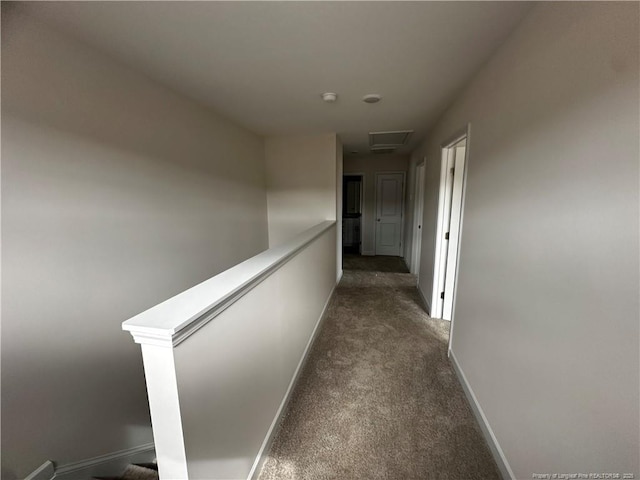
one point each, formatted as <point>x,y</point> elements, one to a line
<point>371,98</point>
<point>329,97</point>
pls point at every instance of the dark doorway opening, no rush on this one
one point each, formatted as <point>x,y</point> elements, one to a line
<point>352,214</point>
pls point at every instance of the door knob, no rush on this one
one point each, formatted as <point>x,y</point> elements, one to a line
<point>378,219</point>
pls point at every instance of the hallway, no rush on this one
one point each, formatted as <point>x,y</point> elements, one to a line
<point>378,398</point>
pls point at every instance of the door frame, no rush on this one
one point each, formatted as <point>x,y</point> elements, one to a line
<point>362,190</point>
<point>457,217</point>
<point>418,211</point>
<point>375,208</point>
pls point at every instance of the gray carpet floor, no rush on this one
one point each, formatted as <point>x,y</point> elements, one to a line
<point>378,398</point>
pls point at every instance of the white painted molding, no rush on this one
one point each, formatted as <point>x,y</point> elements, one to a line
<point>43,472</point>
<point>340,274</point>
<point>368,253</point>
<point>172,321</point>
<point>164,406</point>
<point>111,464</point>
<point>260,459</point>
<point>492,441</point>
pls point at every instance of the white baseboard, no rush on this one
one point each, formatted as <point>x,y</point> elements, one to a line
<point>424,300</point>
<point>46,471</point>
<point>340,273</point>
<point>264,449</point>
<point>111,464</point>
<point>368,253</point>
<point>496,450</point>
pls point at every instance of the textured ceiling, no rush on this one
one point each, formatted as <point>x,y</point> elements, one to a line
<point>265,64</point>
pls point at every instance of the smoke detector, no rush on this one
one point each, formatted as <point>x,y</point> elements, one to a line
<point>371,98</point>
<point>329,97</point>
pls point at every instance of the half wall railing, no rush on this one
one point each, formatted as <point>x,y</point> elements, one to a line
<point>221,358</point>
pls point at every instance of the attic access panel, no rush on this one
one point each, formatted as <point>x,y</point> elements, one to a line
<point>383,150</point>
<point>389,139</point>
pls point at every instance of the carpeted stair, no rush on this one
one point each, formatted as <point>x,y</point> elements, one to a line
<point>139,471</point>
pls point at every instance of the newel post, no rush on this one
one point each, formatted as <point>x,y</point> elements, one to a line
<point>164,403</point>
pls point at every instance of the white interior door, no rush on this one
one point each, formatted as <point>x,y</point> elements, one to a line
<point>417,220</point>
<point>454,232</point>
<point>389,193</point>
<point>448,228</point>
<point>447,200</point>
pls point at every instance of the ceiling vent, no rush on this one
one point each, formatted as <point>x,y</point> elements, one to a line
<point>389,139</point>
<point>382,150</point>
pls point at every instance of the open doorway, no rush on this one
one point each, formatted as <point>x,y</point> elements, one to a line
<point>452,180</point>
<point>352,189</point>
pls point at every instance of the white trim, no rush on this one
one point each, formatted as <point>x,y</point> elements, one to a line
<point>461,220</point>
<point>261,457</point>
<point>174,320</point>
<point>46,471</point>
<point>501,460</point>
<point>164,407</point>
<point>340,274</point>
<point>455,227</point>
<point>418,217</point>
<point>435,294</point>
<point>339,206</point>
<point>109,464</point>
<point>453,247</point>
<point>424,300</point>
<point>368,253</point>
<point>456,137</point>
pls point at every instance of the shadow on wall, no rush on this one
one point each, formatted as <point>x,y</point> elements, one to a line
<point>97,98</point>
<point>59,374</point>
<point>116,195</point>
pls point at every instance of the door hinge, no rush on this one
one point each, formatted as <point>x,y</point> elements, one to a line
<point>442,295</point>
<point>446,236</point>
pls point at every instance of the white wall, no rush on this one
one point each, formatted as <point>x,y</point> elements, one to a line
<point>546,319</point>
<point>301,183</point>
<point>369,165</point>
<point>116,195</point>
